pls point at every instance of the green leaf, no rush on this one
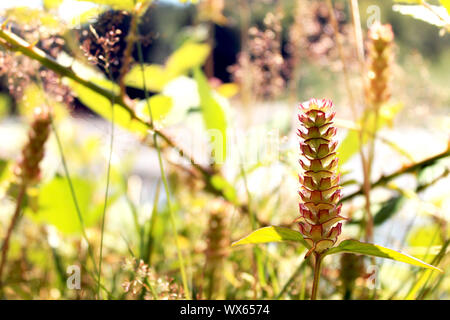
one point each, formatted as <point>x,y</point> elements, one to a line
<point>425,236</point>
<point>3,166</point>
<point>427,275</point>
<point>57,208</point>
<point>52,4</point>
<point>350,145</point>
<point>219,183</point>
<point>388,209</point>
<point>213,116</point>
<point>5,105</point>
<point>102,105</point>
<point>117,4</point>
<point>160,106</point>
<point>155,75</point>
<point>354,246</point>
<point>446,5</point>
<point>271,234</point>
<point>189,55</point>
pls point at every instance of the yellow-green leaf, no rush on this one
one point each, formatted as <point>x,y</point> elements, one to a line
<point>57,208</point>
<point>155,75</point>
<point>102,105</point>
<point>52,4</point>
<point>5,105</point>
<point>271,234</point>
<point>228,90</point>
<point>160,106</point>
<point>446,5</point>
<point>350,145</point>
<point>189,55</point>
<point>368,249</point>
<point>213,116</point>
<point>227,189</point>
<point>117,4</point>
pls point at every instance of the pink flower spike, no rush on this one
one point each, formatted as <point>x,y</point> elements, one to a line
<point>320,190</point>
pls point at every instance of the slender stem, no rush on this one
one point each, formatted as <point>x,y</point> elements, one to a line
<point>164,180</point>
<point>406,169</point>
<point>297,271</point>
<point>73,194</point>
<point>365,162</point>
<point>257,255</point>
<point>317,269</point>
<point>108,176</point>
<point>12,224</point>
<point>128,55</point>
<point>367,186</point>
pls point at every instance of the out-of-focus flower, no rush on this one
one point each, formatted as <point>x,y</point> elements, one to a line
<point>263,63</point>
<point>27,168</point>
<point>379,63</point>
<point>145,278</point>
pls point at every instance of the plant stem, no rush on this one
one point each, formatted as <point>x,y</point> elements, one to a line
<point>108,176</point>
<point>12,224</point>
<point>406,169</point>
<point>364,160</point>
<point>165,183</point>
<point>317,268</point>
<point>291,279</point>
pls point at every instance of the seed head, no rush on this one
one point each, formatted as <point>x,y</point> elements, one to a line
<point>27,168</point>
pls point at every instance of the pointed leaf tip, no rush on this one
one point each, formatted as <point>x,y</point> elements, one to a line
<point>369,249</point>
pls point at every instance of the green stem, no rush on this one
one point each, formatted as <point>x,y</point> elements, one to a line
<point>291,279</point>
<point>72,192</point>
<point>406,169</point>
<point>108,176</point>
<point>317,269</point>
<point>165,183</point>
<point>257,254</point>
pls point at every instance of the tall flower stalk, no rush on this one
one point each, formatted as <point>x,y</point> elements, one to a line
<point>319,184</point>
<point>379,64</point>
<point>27,171</point>
<point>320,220</point>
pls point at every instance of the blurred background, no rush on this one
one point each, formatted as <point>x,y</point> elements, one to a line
<point>260,60</point>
